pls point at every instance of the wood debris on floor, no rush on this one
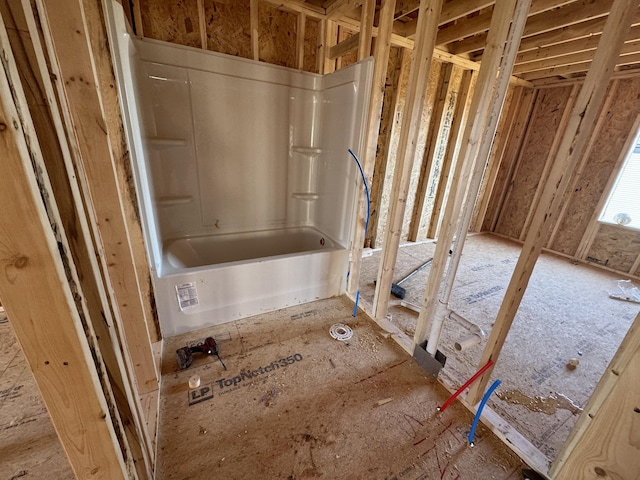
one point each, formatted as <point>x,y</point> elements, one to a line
<point>296,404</point>
<point>563,337</point>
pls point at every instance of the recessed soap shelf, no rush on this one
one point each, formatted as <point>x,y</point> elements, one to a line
<point>174,200</point>
<point>162,143</point>
<point>305,196</point>
<point>310,151</point>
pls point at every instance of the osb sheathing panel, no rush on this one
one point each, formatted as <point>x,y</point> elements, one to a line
<point>175,22</point>
<point>432,91</point>
<point>228,26</point>
<point>277,36</point>
<point>616,247</point>
<point>311,30</point>
<point>607,148</point>
<point>441,148</point>
<point>495,149</point>
<point>393,148</point>
<point>394,69</point>
<point>510,156</point>
<point>542,130</point>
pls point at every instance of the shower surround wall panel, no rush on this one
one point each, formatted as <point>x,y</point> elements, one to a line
<point>243,174</point>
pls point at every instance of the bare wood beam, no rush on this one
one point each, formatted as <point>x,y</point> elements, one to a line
<point>486,107</point>
<point>298,6</point>
<point>573,13</point>
<point>254,25</point>
<point>453,142</point>
<point>435,124</point>
<point>88,122</point>
<point>39,301</point>
<point>57,157</point>
<point>137,18</point>
<point>330,40</point>
<point>202,23</point>
<point>349,44</point>
<point>570,59</point>
<point>381,60</point>
<point>582,67</point>
<point>388,129</point>
<point>365,34</point>
<point>503,134</point>
<point>416,91</point>
<point>577,134</point>
<point>338,8</point>
<point>569,47</point>
<point>602,442</point>
<point>302,20</point>
<point>438,54</point>
<point>559,131</point>
<point>478,24</point>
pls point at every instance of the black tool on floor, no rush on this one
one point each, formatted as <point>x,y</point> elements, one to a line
<point>528,474</point>
<point>397,290</point>
<point>208,347</point>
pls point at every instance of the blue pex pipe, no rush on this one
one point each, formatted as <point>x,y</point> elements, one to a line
<point>366,191</point>
<point>355,307</point>
<point>472,432</point>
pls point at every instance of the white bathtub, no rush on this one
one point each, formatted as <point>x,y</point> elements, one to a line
<point>216,279</point>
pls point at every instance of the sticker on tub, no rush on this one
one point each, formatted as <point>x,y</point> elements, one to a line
<point>187,296</point>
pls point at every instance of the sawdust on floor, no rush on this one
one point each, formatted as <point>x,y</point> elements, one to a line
<point>565,333</point>
<point>296,404</point>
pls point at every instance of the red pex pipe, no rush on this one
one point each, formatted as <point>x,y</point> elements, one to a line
<point>463,387</point>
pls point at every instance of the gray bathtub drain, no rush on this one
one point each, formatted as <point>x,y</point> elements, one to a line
<point>341,332</point>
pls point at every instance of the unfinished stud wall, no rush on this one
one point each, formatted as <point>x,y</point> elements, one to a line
<point>227,25</point>
<point>527,174</point>
<point>577,232</point>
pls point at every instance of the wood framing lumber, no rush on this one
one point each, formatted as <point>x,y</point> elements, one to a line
<point>338,8</point>
<point>302,20</point>
<point>368,160</point>
<point>604,441</point>
<point>573,58</point>
<point>388,127</point>
<point>299,6</point>
<point>453,143</point>
<point>477,170</point>
<point>435,124</point>
<point>57,163</point>
<point>579,129</point>
<point>568,48</point>
<point>349,44</point>
<point>137,18</point>
<point>38,298</point>
<point>416,91</point>
<point>254,25</point>
<point>470,142</point>
<point>365,35</point>
<point>202,24</point>
<point>582,67</point>
<point>330,39</point>
<point>497,152</point>
<point>78,83</point>
<point>550,158</point>
<point>547,21</point>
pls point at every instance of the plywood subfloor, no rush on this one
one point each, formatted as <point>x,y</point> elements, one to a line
<point>297,404</point>
<point>565,314</point>
<point>29,447</point>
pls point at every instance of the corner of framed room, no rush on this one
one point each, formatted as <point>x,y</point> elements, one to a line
<point>320,238</point>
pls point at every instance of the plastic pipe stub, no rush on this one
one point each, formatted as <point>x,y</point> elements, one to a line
<point>341,332</point>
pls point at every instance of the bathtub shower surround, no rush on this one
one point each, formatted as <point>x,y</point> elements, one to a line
<point>243,174</point>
